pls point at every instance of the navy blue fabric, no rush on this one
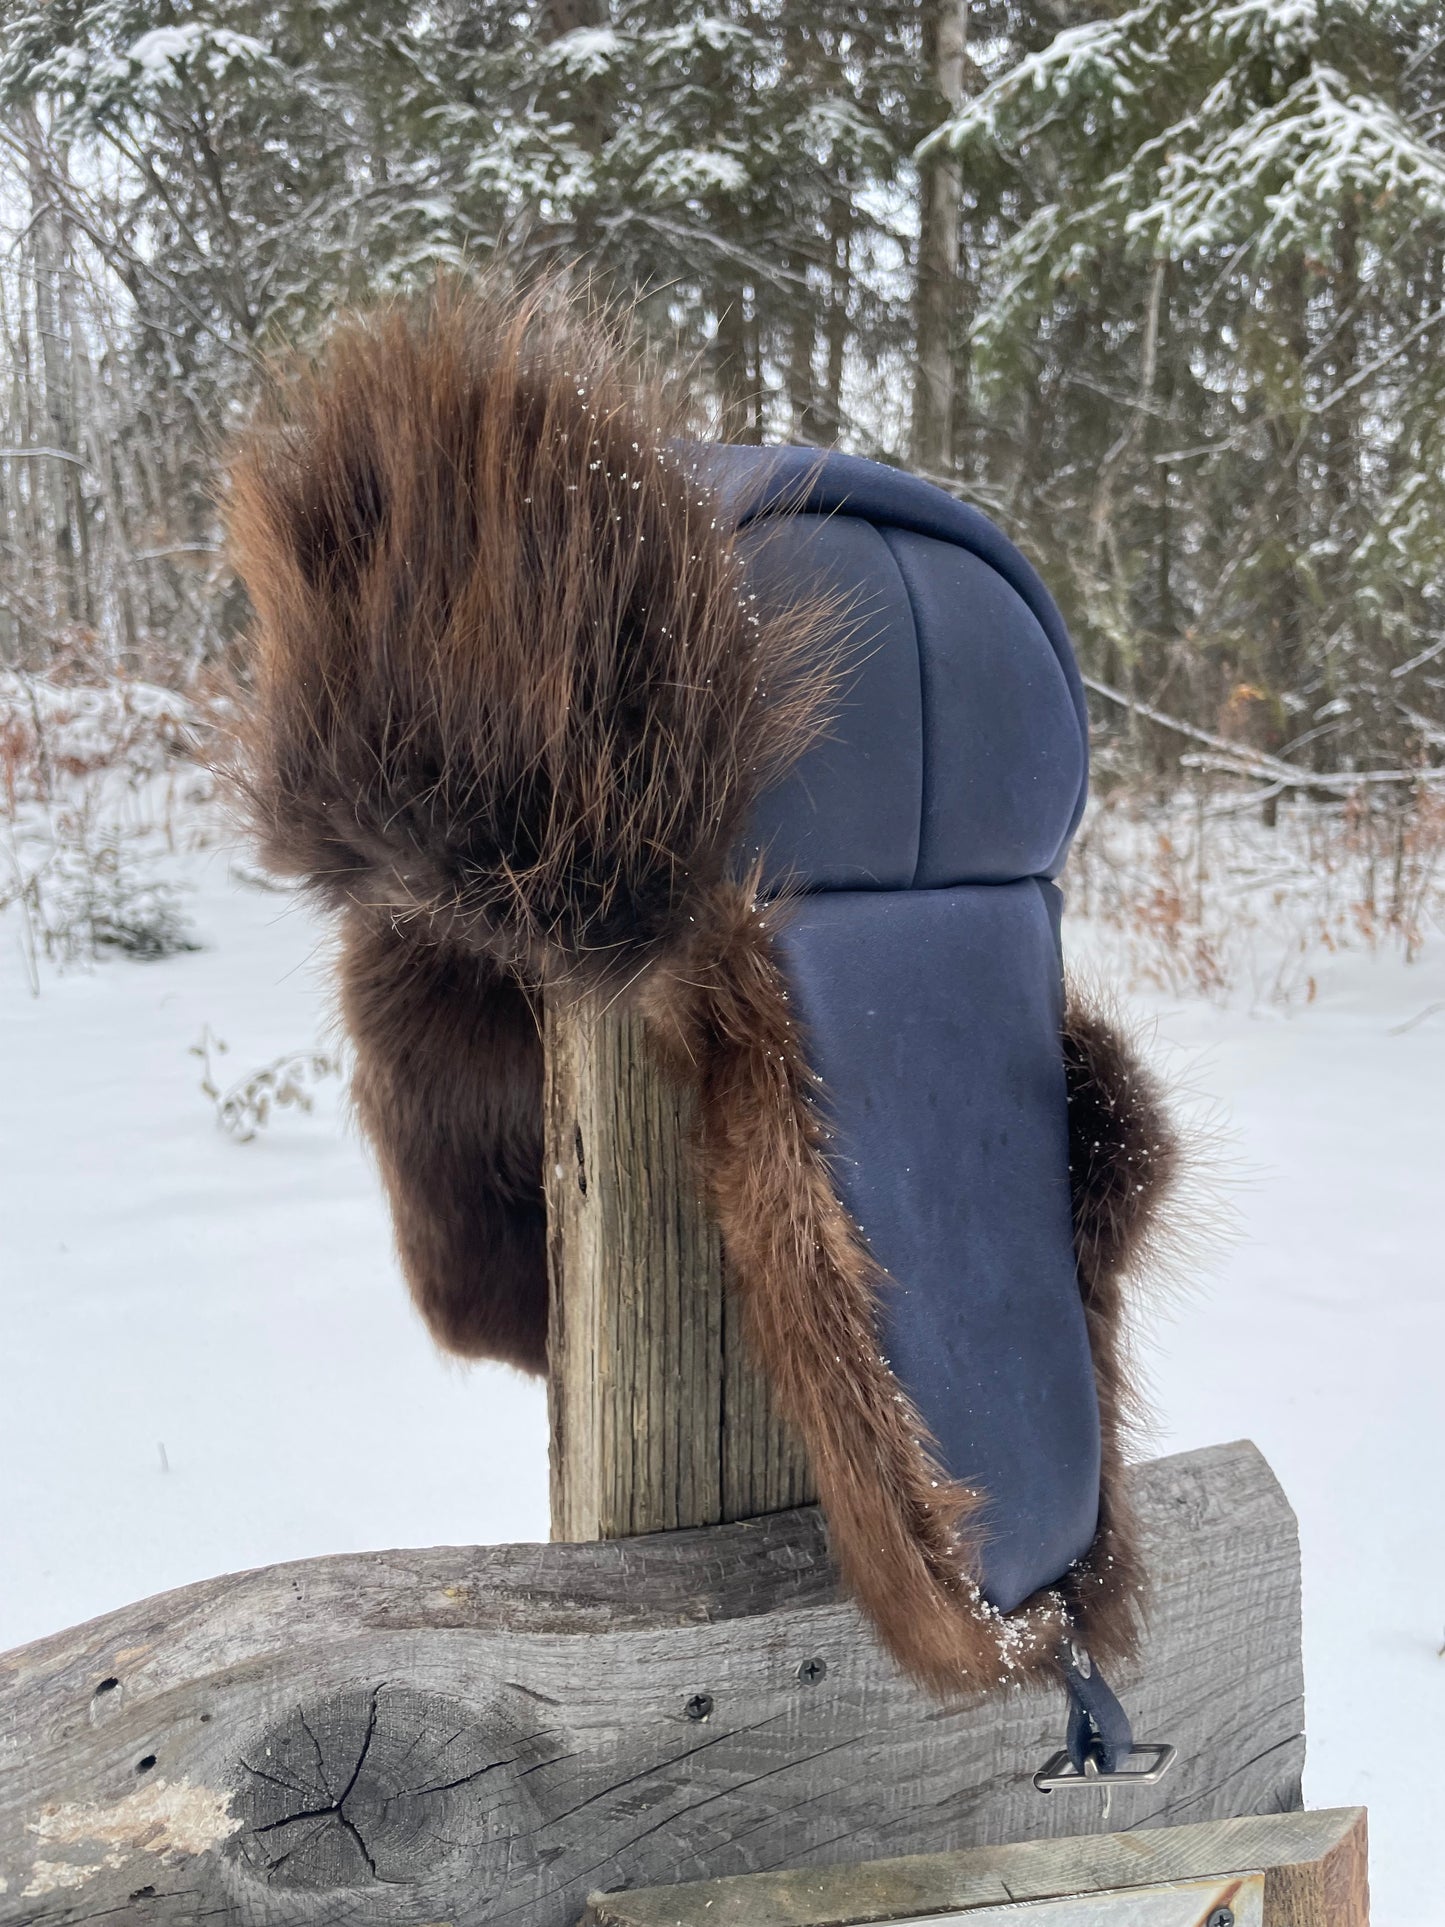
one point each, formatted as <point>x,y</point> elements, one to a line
<point>923,963</point>
<point>1003,760</point>
<point>755,481</point>
<point>932,1018</point>
<point>956,754</point>
<point>849,816</point>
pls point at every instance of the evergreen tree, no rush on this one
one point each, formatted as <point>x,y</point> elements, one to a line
<point>1162,287</point>
<point>1205,360</point>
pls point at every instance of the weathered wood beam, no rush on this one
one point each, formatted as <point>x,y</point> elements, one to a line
<point>658,1418</point>
<point>488,1734</point>
<point>1315,1869</point>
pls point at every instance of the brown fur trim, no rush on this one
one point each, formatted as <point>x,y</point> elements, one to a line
<point>509,689</point>
<point>448,1087</point>
<point>899,1527</point>
<point>1124,1164</point>
<point>1124,1148</point>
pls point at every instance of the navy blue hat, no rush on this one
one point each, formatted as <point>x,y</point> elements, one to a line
<point>787,750</point>
<point>921,836</point>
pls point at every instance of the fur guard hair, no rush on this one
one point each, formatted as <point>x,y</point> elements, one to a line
<point>510,711</point>
<point>448,1087</point>
<point>1125,1153</point>
<point>1125,1163</point>
<point>509,693</point>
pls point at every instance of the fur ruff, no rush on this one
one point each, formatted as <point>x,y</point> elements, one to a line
<point>509,692</point>
<point>510,711</point>
<point>1125,1166</point>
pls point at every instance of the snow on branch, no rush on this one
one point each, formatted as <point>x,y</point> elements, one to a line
<point>1238,759</point>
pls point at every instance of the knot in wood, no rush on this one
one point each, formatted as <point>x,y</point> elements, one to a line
<point>382,1787</point>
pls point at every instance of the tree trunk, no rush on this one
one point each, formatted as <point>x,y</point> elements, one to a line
<point>840,247</point>
<point>731,366</point>
<point>67,507</point>
<point>802,338</point>
<point>945,40</point>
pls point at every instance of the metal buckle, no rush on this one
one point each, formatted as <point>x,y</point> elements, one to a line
<point>1058,1773</point>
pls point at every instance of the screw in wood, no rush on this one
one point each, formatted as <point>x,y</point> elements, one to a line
<point>700,1705</point>
<point>1221,1917</point>
<point>812,1670</point>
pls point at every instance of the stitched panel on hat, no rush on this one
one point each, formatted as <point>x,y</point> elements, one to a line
<point>932,1018</point>
<point>1004,759</point>
<point>848,815</point>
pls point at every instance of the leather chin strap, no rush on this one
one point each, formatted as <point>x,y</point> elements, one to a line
<point>1099,1728</point>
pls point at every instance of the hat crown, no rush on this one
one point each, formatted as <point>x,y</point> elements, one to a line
<point>959,753</point>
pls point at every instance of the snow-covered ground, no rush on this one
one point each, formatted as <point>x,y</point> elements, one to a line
<point>209,1359</point>
<point>1320,1334</point>
<point>210,1363</point>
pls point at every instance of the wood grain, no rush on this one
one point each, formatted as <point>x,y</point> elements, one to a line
<point>1332,1891</point>
<point>1294,1851</point>
<point>658,1418</point>
<point>488,1734</point>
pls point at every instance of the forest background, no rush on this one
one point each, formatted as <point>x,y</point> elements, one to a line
<point>1161,288</point>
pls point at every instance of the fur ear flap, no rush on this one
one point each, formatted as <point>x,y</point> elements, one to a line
<point>1125,1159</point>
<point>904,1534</point>
<point>448,1087</point>
<point>511,705</point>
<point>1124,1148</point>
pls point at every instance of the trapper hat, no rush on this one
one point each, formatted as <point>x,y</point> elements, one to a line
<point>788,749</point>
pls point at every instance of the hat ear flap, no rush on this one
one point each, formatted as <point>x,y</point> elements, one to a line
<point>1126,1163</point>
<point>1124,1148</point>
<point>448,1087</point>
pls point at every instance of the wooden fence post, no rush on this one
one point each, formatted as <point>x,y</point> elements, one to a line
<point>658,1419</point>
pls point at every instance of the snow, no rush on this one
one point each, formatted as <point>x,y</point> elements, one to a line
<point>212,1363</point>
<point>1289,30</point>
<point>210,1360</point>
<point>1320,143</point>
<point>1089,58</point>
<point>89,726</point>
<point>164,46</point>
<point>1233,165</point>
<point>1319,1332</point>
<point>704,33</point>
<point>587,53</point>
<point>689,171</point>
<point>156,53</point>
